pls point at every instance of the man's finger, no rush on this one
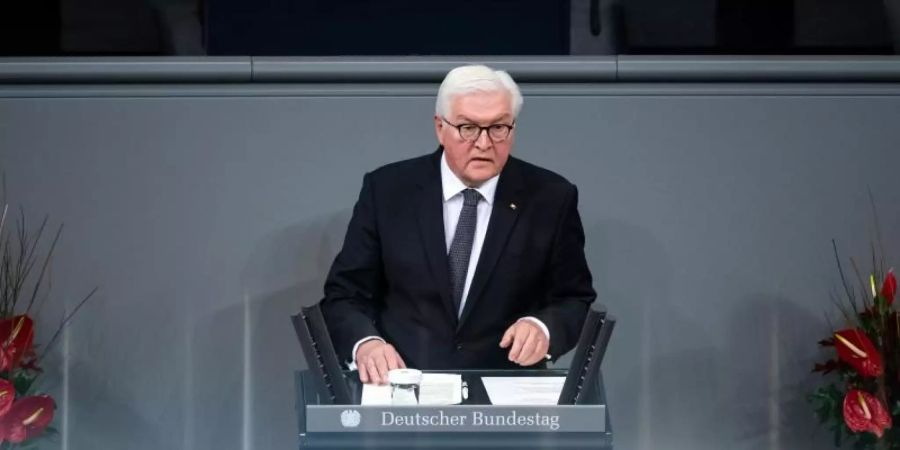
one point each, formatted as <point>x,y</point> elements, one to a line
<point>542,349</point>
<point>525,352</point>
<point>398,361</point>
<point>372,371</point>
<point>534,359</point>
<point>382,364</point>
<point>527,349</point>
<point>363,372</point>
<point>393,360</point>
<point>507,337</point>
<point>518,341</point>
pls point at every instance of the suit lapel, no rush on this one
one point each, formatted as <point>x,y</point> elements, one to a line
<point>430,213</point>
<point>504,213</point>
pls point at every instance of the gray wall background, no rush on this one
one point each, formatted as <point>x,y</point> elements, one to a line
<point>208,214</point>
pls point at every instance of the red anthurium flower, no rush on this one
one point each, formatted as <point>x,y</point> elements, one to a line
<point>864,412</point>
<point>7,395</point>
<point>16,336</point>
<point>855,348</point>
<point>27,418</point>
<point>5,360</point>
<point>889,288</point>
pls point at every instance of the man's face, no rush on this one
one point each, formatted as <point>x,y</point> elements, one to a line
<point>474,162</point>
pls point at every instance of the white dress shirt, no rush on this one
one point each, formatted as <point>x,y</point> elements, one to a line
<point>452,188</point>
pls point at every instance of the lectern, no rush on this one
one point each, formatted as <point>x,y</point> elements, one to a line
<point>330,415</point>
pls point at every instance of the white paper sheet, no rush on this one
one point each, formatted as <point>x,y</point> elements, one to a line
<point>523,390</point>
<point>435,389</point>
<point>376,394</point>
<point>440,389</point>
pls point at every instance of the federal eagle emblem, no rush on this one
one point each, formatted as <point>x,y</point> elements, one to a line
<point>350,418</point>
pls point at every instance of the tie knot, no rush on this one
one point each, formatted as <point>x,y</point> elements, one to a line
<point>471,197</point>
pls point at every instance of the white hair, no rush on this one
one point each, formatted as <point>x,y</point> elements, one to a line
<point>476,78</point>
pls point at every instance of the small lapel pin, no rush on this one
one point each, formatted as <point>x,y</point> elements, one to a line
<point>512,206</point>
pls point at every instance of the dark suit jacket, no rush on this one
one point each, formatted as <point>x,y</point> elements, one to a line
<point>391,277</point>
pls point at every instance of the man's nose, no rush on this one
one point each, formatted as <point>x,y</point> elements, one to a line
<point>483,141</point>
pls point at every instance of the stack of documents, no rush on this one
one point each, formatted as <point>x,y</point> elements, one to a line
<point>523,390</point>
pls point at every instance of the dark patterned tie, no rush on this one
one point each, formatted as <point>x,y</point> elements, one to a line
<point>461,247</point>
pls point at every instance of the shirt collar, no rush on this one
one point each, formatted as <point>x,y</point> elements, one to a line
<point>452,185</point>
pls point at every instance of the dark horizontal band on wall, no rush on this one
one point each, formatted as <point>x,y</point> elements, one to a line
<point>421,90</point>
<point>758,68</point>
<point>415,69</point>
<point>431,69</point>
<point>125,70</point>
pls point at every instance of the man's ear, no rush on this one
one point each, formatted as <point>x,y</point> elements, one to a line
<point>438,127</point>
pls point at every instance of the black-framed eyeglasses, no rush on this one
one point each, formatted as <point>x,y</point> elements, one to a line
<point>498,132</point>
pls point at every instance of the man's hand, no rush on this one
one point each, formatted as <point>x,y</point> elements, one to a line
<point>529,344</point>
<point>374,359</point>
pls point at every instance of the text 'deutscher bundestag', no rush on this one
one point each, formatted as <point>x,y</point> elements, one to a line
<point>459,418</point>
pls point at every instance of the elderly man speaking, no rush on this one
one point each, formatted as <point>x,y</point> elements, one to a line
<point>463,258</point>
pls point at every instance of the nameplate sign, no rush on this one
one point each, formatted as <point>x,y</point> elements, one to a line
<point>456,418</point>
